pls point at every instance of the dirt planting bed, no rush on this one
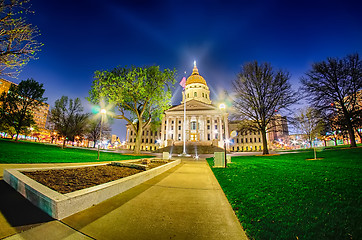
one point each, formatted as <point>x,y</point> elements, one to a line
<point>73,179</point>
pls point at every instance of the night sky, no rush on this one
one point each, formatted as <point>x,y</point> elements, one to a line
<point>81,37</point>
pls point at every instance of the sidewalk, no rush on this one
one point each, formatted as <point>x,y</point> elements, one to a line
<point>185,202</point>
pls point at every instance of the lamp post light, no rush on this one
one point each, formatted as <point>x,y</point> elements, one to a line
<point>103,112</point>
<point>222,108</point>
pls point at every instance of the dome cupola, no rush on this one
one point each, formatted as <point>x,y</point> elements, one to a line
<point>196,87</point>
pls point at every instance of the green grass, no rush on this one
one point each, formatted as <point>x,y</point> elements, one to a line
<point>28,152</point>
<point>288,197</point>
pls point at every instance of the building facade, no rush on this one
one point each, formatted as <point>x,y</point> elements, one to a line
<point>206,124</point>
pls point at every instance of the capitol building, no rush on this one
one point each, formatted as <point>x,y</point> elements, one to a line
<point>204,126</point>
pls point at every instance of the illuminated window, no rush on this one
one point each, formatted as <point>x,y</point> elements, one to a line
<point>195,94</point>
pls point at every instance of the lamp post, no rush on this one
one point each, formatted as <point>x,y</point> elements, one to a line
<point>103,112</point>
<point>222,108</point>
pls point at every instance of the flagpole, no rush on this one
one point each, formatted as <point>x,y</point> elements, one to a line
<point>184,152</point>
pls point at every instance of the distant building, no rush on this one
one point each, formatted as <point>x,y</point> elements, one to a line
<point>40,114</point>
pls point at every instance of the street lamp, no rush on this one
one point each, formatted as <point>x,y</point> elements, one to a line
<point>103,112</point>
<point>222,108</point>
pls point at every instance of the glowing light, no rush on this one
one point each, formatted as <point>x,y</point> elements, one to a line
<point>103,111</point>
<point>194,63</point>
<point>222,106</point>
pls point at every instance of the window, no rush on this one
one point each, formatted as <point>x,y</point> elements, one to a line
<point>208,121</point>
<point>164,137</point>
<point>172,122</point>
<point>215,121</point>
<point>208,136</point>
<point>206,95</point>
<point>155,133</point>
<point>165,128</point>
<point>179,122</point>
<point>147,133</point>
<point>195,94</point>
<point>251,140</point>
<point>131,133</point>
<point>188,95</point>
<point>171,127</point>
<point>246,140</point>
<point>237,149</point>
<point>242,140</point>
<point>143,140</point>
<point>143,133</point>
<point>208,127</point>
<point>193,125</point>
<point>260,148</point>
<point>203,95</point>
<point>259,139</point>
<point>146,140</point>
<point>151,133</point>
<point>246,148</point>
<point>237,140</point>
<point>179,137</point>
<point>171,136</point>
<point>254,139</point>
<point>215,127</point>
<point>179,127</point>
<point>130,140</point>
<point>151,140</point>
<point>216,135</point>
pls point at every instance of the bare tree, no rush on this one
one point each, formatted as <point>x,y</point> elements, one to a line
<point>332,87</point>
<point>309,122</point>
<point>260,93</point>
<point>94,130</point>
<point>18,42</point>
<point>68,118</point>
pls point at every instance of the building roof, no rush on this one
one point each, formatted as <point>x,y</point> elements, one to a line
<point>195,77</point>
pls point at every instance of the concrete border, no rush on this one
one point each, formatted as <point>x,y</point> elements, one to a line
<point>59,205</point>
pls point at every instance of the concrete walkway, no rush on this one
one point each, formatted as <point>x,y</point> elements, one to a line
<point>185,202</point>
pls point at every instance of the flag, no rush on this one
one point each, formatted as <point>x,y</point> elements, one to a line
<point>183,82</point>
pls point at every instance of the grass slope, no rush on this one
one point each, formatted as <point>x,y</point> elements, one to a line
<point>287,197</point>
<point>28,152</point>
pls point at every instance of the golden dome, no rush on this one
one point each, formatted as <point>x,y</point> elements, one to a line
<point>195,77</point>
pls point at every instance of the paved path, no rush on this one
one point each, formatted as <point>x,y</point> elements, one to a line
<point>185,202</point>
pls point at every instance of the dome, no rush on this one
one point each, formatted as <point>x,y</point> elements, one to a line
<point>195,77</point>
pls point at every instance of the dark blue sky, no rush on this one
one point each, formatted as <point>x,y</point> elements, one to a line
<point>83,36</point>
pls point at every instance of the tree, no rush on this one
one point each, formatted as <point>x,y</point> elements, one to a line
<point>18,105</point>
<point>94,130</point>
<point>18,42</point>
<point>332,87</point>
<point>68,118</point>
<point>309,122</point>
<point>140,94</point>
<point>260,92</point>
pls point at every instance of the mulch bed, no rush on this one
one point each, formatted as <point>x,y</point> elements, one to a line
<point>73,179</point>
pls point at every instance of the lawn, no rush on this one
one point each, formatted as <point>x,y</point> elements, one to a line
<point>288,197</point>
<point>28,152</point>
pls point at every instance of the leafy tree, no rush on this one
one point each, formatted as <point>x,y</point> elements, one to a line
<point>332,87</point>
<point>94,130</point>
<point>68,119</point>
<point>260,92</point>
<point>18,42</point>
<point>18,105</point>
<point>140,94</point>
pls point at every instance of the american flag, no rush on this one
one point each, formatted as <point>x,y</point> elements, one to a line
<point>183,82</point>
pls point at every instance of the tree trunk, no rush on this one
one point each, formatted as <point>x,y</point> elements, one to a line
<point>63,144</point>
<point>265,143</point>
<point>325,142</point>
<point>351,134</point>
<point>137,145</point>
